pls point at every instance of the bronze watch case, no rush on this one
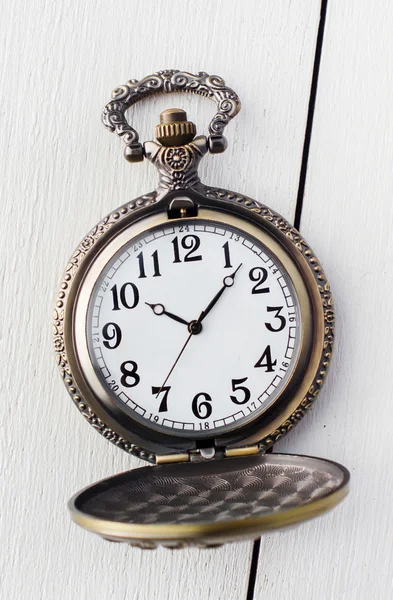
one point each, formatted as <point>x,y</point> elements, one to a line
<point>230,488</point>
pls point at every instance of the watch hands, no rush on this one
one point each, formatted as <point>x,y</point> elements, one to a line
<point>159,309</point>
<point>194,328</point>
<point>228,281</point>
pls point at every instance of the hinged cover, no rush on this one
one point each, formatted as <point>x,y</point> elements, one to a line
<point>211,502</point>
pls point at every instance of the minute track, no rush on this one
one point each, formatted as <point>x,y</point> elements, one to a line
<point>228,347</point>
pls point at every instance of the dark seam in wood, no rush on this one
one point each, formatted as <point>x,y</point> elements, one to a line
<point>310,114</point>
<point>298,214</point>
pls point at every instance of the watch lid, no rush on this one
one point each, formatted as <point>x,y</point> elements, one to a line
<point>209,503</point>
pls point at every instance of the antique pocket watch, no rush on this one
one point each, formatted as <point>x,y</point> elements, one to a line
<point>194,328</point>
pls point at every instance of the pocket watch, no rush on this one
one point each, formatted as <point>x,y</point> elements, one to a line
<point>193,329</point>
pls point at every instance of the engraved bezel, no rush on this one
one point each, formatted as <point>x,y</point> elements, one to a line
<point>286,242</point>
<point>114,248</point>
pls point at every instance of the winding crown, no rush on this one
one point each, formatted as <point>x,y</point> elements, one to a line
<point>174,129</point>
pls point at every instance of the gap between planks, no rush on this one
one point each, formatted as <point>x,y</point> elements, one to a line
<point>298,215</point>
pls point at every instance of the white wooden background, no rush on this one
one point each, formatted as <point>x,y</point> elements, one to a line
<point>61,171</point>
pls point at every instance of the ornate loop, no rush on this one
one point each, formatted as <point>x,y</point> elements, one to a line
<point>211,86</point>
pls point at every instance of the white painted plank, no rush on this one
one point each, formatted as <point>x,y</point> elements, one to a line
<point>61,171</point>
<point>348,219</point>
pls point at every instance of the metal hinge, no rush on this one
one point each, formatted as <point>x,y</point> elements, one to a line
<point>163,459</point>
<point>244,451</point>
<point>202,454</point>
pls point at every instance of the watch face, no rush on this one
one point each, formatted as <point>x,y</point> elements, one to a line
<point>194,327</point>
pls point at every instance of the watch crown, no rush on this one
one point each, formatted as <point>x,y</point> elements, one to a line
<point>174,129</point>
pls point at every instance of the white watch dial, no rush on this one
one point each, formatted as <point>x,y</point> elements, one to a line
<point>194,327</point>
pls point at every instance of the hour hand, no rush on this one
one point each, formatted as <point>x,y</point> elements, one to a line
<point>159,309</point>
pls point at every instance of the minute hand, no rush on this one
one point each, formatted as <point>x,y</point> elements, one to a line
<point>228,281</point>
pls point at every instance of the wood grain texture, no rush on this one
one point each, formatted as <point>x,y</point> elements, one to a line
<point>348,219</point>
<point>61,172</point>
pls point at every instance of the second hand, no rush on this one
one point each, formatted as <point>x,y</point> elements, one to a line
<point>195,328</point>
